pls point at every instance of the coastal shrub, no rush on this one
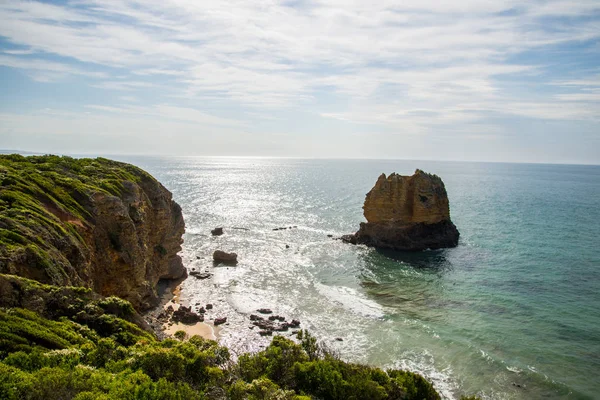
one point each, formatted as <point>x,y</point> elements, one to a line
<point>260,389</point>
<point>24,361</point>
<point>180,335</point>
<point>282,354</point>
<point>161,363</point>
<point>412,385</point>
<point>116,306</point>
<point>100,354</point>
<point>289,366</point>
<point>88,383</point>
<point>321,379</point>
<point>310,345</point>
<point>173,369</point>
<point>24,330</point>
<point>14,383</point>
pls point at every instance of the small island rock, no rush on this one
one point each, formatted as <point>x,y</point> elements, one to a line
<point>217,231</point>
<point>409,213</point>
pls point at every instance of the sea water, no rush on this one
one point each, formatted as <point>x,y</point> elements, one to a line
<point>513,312</point>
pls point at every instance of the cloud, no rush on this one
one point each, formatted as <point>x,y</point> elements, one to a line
<point>412,66</point>
<point>44,70</point>
<point>169,112</point>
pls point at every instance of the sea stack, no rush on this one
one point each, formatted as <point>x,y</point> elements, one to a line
<point>407,213</point>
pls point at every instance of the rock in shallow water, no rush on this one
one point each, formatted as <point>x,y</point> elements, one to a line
<point>200,275</point>
<point>226,258</point>
<point>217,231</point>
<point>409,213</point>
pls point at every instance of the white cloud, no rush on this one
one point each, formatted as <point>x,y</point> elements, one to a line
<point>44,70</point>
<point>184,114</point>
<point>414,66</point>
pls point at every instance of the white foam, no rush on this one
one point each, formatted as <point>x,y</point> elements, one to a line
<point>351,299</point>
<point>247,300</point>
<point>424,364</point>
<point>514,369</point>
<point>485,355</point>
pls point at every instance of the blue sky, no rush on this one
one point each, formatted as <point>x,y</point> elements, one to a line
<point>447,80</point>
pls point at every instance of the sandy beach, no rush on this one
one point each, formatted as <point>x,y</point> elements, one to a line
<point>204,329</point>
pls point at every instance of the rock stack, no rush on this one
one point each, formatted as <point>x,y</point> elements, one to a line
<point>408,213</point>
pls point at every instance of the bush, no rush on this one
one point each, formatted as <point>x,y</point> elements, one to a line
<point>106,357</point>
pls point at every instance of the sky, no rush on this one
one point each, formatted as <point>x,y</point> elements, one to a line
<point>468,80</point>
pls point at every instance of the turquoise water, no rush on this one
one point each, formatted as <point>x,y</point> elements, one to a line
<point>512,313</point>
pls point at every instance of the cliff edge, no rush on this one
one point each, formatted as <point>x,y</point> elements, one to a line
<point>97,223</point>
<point>408,213</point>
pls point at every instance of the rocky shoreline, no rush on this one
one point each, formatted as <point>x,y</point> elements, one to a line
<point>206,320</point>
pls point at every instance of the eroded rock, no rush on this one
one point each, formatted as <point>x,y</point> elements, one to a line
<point>407,213</point>
<point>224,257</point>
<point>186,315</point>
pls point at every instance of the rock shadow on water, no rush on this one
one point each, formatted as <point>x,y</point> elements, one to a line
<point>426,261</point>
<point>411,284</point>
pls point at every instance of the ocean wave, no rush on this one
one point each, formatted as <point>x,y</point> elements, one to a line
<point>424,364</point>
<point>351,299</point>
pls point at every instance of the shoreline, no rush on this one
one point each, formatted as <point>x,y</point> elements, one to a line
<point>162,325</point>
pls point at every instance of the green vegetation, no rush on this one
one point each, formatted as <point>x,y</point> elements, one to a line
<point>57,317</point>
<point>45,207</point>
<point>70,361</point>
<point>74,344</point>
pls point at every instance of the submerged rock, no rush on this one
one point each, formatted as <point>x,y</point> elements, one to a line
<point>409,213</point>
<point>200,275</point>
<point>227,258</point>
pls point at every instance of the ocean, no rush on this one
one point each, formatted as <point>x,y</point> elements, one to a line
<point>513,312</point>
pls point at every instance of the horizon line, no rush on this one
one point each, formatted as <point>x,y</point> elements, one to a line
<point>106,155</point>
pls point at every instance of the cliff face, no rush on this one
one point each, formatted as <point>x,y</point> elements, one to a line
<point>420,198</point>
<point>96,223</point>
<point>407,213</point>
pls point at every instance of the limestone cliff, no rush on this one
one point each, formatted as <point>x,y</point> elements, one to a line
<point>407,213</point>
<point>96,223</point>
